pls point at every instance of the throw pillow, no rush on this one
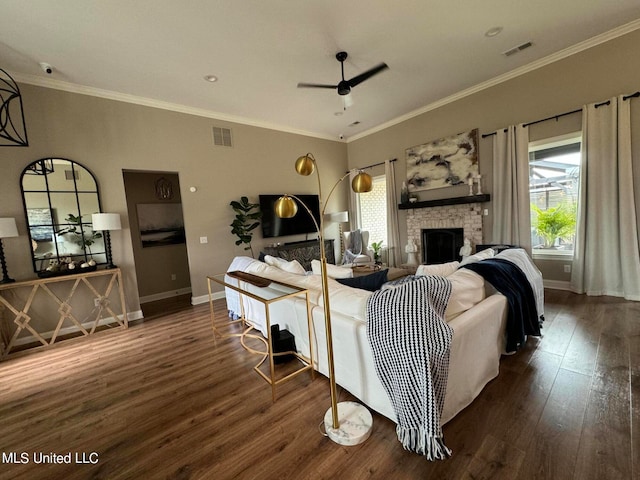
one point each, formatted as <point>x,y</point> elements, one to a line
<point>441,270</point>
<point>293,266</point>
<point>487,253</point>
<point>371,282</point>
<point>333,271</point>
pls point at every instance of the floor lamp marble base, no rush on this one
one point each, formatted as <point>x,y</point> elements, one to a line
<point>355,424</point>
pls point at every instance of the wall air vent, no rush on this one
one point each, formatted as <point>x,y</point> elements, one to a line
<point>222,137</point>
<point>517,49</point>
<point>71,174</point>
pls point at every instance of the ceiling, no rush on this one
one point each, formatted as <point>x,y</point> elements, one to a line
<point>156,52</point>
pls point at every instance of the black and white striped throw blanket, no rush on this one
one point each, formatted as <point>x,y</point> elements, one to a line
<point>411,342</point>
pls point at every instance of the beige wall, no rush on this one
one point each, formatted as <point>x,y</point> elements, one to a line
<point>109,136</point>
<point>596,74</point>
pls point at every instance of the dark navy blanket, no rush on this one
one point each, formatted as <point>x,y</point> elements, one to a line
<point>510,280</point>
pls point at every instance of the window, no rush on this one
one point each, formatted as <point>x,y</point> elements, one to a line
<point>554,180</point>
<point>373,211</point>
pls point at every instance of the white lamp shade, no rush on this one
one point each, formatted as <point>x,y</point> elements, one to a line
<point>339,217</point>
<point>8,228</point>
<point>106,221</point>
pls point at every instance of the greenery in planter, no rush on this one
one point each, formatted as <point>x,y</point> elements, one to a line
<point>377,248</point>
<point>247,216</point>
<point>554,222</point>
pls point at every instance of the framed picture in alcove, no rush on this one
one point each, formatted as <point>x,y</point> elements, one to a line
<point>160,224</point>
<point>445,162</point>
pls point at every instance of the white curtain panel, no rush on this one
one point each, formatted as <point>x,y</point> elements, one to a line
<point>393,230</point>
<point>511,211</point>
<point>606,255</point>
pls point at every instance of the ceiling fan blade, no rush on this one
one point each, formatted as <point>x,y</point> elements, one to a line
<point>368,74</point>
<point>316,85</point>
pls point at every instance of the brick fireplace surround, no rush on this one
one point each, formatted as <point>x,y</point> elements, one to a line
<point>467,216</point>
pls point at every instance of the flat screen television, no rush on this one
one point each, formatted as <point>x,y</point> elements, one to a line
<point>274,226</point>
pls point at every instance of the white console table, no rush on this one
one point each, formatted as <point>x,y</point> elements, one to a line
<point>83,300</point>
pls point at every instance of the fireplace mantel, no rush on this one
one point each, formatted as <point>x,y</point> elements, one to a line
<point>446,201</point>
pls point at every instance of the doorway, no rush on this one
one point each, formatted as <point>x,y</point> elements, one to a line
<point>154,206</point>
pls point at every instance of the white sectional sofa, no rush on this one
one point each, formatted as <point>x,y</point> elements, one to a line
<point>476,313</point>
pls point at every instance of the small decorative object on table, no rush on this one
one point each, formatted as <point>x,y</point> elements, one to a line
<point>411,250</point>
<point>465,250</point>
<point>66,266</point>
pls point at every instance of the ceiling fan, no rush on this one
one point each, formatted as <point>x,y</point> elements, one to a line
<point>344,86</point>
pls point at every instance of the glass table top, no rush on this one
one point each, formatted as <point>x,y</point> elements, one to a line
<point>260,288</point>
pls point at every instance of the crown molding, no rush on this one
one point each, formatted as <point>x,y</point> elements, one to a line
<point>200,112</point>
<point>55,84</point>
<point>567,52</point>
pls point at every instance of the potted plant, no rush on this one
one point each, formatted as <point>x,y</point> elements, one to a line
<point>554,222</point>
<point>377,249</point>
<point>247,214</point>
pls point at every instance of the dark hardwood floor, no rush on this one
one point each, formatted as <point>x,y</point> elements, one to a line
<point>163,400</point>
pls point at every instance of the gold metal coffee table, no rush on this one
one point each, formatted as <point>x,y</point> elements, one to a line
<point>266,292</point>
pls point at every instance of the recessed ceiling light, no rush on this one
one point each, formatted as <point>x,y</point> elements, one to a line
<point>492,32</point>
<point>337,114</point>
<point>211,78</point>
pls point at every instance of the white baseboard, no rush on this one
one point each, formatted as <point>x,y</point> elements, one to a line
<point>137,315</point>
<point>557,284</point>
<point>163,295</point>
<point>205,298</point>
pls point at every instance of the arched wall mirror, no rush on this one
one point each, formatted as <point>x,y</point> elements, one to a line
<point>59,197</point>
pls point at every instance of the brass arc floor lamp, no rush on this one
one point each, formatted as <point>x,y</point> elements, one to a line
<point>346,423</point>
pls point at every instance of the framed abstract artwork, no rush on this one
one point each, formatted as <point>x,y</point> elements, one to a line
<point>445,162</point>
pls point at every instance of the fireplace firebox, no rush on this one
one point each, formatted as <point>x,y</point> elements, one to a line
<point>441,245</point>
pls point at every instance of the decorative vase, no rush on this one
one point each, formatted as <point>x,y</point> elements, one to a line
<point>404,193</point>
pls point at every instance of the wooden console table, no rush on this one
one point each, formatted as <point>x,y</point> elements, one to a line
<point>83,299</point>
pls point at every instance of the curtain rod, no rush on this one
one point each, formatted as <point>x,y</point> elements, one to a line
<point>556,117</point>
<point>374,165</point>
